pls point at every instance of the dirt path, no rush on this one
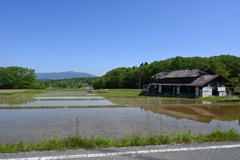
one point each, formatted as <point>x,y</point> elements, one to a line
<point>11,90</point>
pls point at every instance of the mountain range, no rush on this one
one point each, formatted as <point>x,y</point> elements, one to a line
<point>63,75</point>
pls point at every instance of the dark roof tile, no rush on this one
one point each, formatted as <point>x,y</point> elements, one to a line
<point>198,82</point>
<point>181,73</point>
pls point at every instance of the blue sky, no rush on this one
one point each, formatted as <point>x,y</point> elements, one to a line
<point>96,36</point>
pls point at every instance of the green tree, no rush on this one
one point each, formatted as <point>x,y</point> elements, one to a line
<point>218,66</point>
<point>2,77</point>
<point>232,64</point>
<point>225,65</point>
<point>179,63</point>
<point>234,81</point>
<point>17,78</point>
<point>47,83</point>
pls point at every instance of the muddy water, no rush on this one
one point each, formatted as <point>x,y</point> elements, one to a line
<point>157,101</point>
<point>84,99</point>
<point>61,103</point>
<point>38,124</point>
<point>51,101</point>
<point>95,97</point>
<point>116,118</point>
<point>61,93</point>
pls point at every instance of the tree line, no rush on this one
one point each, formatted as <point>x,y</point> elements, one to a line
<point>123,77</point>
<point>24,78</point>
<point>69,83</point>
<point>134,77</point>
<point>18,78</point>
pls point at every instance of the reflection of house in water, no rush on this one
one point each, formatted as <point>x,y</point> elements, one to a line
<point>194,82</point>
<point>203,114</point>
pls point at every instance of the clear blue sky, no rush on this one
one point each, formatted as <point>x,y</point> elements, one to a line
<point>96,36</point>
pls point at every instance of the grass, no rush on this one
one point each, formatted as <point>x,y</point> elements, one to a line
<point>119,93</point>
<point>137,93</point>
<point>137,140</point>
<point>39,91</point>
<point>124,93</point>
<point>231,99</point>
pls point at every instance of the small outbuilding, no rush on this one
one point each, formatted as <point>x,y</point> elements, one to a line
<point>191,82</point>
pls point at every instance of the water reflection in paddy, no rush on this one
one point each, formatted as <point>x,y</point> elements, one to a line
<point>157,101</point>
<point>67,93</point>
<point>70,100</point>
<point>39,124</point>
<point>95,97</point>
<point>53,103</point>
<point>59,94</point>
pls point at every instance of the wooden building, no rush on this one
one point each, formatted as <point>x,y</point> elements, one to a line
<point>192,82</point>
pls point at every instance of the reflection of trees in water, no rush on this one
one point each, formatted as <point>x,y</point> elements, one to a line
<point>199,113</point>
<point>15,100</point>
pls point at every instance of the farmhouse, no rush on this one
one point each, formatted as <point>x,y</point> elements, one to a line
<point>191,82</point>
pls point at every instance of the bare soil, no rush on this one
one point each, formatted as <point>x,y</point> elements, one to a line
<point>11,90</point>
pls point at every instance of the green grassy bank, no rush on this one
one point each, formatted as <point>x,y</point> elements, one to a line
<point>37,91</point>
<point>115,93</point>
<point>226,99</point>
<point>77,142</point>
<point>119,93</point>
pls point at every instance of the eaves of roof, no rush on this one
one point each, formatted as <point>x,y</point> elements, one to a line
<point>195,83</point>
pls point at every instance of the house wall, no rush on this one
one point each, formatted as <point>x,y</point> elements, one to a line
<point>222,93</point>
<point>176,80</point>
<point>181,91</point>
<point>216,87</point>
<point>145,88</point>
<point>187,91</point>
<point>206,93</point>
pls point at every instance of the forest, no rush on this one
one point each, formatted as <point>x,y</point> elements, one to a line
<point>134,77</point>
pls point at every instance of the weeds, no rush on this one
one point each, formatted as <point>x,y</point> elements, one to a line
<point>77,126</point>
<point>160,125</point>
<point>137,140</point>
<point>119,93</point>
<point>22,92</point>
<point>226,99</point>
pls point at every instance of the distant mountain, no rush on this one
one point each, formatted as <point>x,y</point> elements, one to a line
<point>63,75</point>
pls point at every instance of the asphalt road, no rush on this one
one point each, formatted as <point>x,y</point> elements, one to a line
<point>199,151</point>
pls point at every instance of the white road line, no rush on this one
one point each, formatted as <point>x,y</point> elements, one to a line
<point>126,153</point>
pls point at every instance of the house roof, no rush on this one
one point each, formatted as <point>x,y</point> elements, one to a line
<point>199,82</point>
<point>181,73</point>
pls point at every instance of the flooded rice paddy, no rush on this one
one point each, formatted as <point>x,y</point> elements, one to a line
<point>69,97</point>
<point>109,118</point>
